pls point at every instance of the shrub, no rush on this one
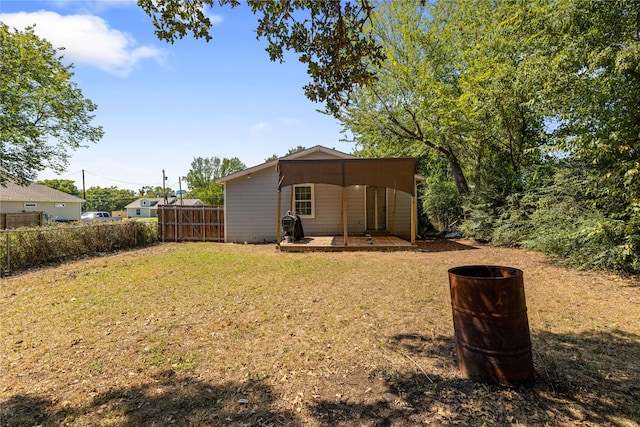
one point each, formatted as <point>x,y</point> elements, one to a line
<point>564,212</point>
<point>27,248</point>
<point>441,203</point>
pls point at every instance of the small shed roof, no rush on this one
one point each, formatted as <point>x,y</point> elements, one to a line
<point>397,173</point>
<point>35,193</point>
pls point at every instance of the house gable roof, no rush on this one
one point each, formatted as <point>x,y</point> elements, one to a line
<point>294,156</point>
<point>155,201</point>
<point>35,193</point>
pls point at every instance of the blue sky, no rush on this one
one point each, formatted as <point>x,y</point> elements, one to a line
<point>162,105</point>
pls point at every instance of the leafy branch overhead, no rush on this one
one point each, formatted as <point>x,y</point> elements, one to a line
<point>330,36</point>
<point>43,114</point>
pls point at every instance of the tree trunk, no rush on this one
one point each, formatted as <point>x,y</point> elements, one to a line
<point>456,169</point>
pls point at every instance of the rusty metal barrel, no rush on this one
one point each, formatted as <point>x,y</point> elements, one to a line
<point>490,324</point>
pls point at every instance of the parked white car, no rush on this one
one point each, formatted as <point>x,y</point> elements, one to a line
<point>99,216</point>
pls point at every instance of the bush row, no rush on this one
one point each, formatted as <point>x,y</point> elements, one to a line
<point>28,248</point>
<point>566,213</point>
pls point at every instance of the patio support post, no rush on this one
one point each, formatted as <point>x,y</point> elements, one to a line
<point>393,215</point>
<point>413,220</point>
<point>342,211</point>
<point>293,190</point>
<point>279,215</point>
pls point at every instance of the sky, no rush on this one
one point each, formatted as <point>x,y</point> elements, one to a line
<point>162,105</point>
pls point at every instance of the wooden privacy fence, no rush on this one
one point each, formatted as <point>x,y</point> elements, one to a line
<point>191,223</point>
<point>20,219</point>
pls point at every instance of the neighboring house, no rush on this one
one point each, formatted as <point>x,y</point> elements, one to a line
<point>317,189</point>
<point>55,204</point>
<point>147,207</point>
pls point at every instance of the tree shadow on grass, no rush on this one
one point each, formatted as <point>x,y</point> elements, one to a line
<point>590,377</point>
<point>169,400</point>
<point>441,245</point>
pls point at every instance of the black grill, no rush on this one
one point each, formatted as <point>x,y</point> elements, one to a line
<point>292,227</point>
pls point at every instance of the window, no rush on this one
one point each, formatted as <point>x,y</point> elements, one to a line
<point>137,212</point>
<point>303,200</point>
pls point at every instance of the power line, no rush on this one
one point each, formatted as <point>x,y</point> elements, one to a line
<point>121,181</point>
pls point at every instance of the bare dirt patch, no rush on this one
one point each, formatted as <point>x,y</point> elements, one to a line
<point>220,334</point>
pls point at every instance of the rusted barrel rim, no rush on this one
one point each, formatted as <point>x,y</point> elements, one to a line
<point>460,271</point>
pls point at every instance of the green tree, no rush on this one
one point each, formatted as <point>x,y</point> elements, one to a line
<point>329,36</point>
<point>577,65</point>
<point>148,191</point>
<point>43,114</point>
<point>294,150</point>
<point>202,175</point>
<point>438,92</point>
<point>108,198</point>
<point>588,70</point>
<point>65,185</point>
<point>229,166</point>
<point>410,107</point>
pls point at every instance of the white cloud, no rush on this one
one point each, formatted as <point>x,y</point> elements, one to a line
<point>87,39</point>
<point>289,121</point>
<point>258,129</point>
<point>215,19</point>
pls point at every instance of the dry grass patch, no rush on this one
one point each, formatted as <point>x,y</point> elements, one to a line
<point>221,334</point>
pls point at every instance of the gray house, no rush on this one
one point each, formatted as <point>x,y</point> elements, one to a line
<point>147,207</point>
<point>333,193</point>
<point>55,204</point>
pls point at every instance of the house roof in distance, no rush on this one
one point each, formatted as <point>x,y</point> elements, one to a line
<point>35,193</point>
<point>155,201</point>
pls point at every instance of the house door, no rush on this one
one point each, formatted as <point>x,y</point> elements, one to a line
<point>376,208</point>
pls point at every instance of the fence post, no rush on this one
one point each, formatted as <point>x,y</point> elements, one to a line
<point>8,254</point>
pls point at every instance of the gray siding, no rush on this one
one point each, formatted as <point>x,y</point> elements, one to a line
<point>401,226</point>
<point>328,209</point>
<point>250,208</point>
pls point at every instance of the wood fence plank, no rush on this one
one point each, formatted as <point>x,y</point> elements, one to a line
<point>191,223</point>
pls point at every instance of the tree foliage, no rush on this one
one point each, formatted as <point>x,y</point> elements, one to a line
<point>157,191</point>
<point>513,91</point>
<point>290,151</point>
<point>330,37</point>
<point>43,114</point>
<point>203,173</point>
<point>65,185</point>
<point>108,198</point>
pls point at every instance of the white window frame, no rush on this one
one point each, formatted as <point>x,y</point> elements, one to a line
<point>313,200</point>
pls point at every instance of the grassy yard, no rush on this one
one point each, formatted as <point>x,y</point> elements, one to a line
<point>204,334</point>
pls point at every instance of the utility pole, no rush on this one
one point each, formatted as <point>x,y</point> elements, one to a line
<point>164,192</point>
<point>180,187</point>
<point>84,192</point>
